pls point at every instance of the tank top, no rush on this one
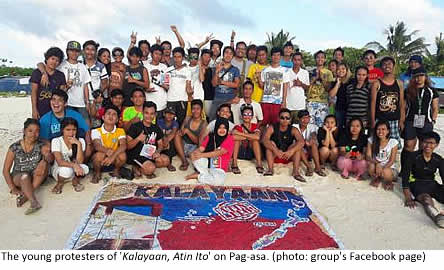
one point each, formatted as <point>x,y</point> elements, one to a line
<point>282,139</point>
<point>195,132</point>
<point>137,74</point>
<point>387,102</point>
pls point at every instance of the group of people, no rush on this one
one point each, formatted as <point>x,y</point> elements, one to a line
<point>212,107</point>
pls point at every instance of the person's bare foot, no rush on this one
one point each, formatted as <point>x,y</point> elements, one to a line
<point>76,184</point>
<point>387,185</point>
<point>184,166</point>
<point>190,177</point>
<point>137,172</point>
<point>58,188</point>
<point>35,206</point>
<point>375,182</point>
<point>96,178</point>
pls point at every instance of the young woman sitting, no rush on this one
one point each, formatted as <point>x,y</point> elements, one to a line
<point>328,139</point>
<point>69,152</point>
<point>381,156</point>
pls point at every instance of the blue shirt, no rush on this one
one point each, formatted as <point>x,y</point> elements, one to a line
<point>167,129</point>
<point>286,64</point>
<point>405,78</point>
<point>222,92</point>
<point>50,125</point>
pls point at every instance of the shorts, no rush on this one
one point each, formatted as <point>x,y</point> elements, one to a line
<point>188,148</point>
<point>66,172</point>
<point>281,161</point>
<point>82,110</point>
<point>245,152</point>
<point>271,113</point>
<point>431,187</point>
<point>411,133</point>
<point>138,161</point>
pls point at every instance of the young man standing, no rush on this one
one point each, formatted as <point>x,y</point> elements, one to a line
<point>41,92</point>
<point>283,144</point>
<point>197,74</point>
<point>275,95</point>
<point>144,45</point>
<point>145,144</point>
<point>77,80</point>
<point>387,100</point>
<point>298,81</point>
<point>374,73</point>
<point>317,96</point>
<point>156,71</point>
<point>254,73</point>
<point>235,107</point>
<point>109,143</point>
<point>225,80</point>
<point>216,48</point>
<point>118,70</point>
<point>241,62</point>
<point>134,114</point>
<point>286,60</point>
<point>178,82</point>
<point>208,87</point>
<point>97,70</point>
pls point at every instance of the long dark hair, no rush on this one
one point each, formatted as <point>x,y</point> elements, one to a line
<point>107,66</point>
<point>355,79</point>
<point>412,88</point>
<point>335,133</point>
<point>68,121</point>
<point>376,141</point>
<point>349,126</point>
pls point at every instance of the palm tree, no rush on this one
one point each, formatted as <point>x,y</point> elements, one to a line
<point>435,62</point>
<point>400,44</point>
<point>278,40</point>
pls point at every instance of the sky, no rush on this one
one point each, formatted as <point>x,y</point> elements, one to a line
<point>29,27</point>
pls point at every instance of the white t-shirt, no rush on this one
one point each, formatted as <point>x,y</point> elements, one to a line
<point>306,134</point>
<point>97,73</point>
<point>257,112</point>
<point>178,78</point>
<point>296,94</point>
<point>156,74</point>
<point>240,65</point>
<point>383,157</point>
<point>59,145</point>
<point>274,80</point>
<point>196,83</point>
<point>80,76</point>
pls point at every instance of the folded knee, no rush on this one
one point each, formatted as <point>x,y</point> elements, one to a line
<point>66,172</point>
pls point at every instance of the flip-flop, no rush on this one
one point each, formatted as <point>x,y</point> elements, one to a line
<point>439,220</point>
<point>309,173</point>
<point>184,167</point>
<point>57,189</point>
<point>268,173</point>
<point>375,183</point>
<point>171,168</point>
<point>235,170</point>
<point>299,178</point>
<point>20,200</point>
<point>345,177</point>
<point>78,187</point>
<point>151,176</point>
<point>259,169</point>
<point>32,210</point>
<point>320,173</point>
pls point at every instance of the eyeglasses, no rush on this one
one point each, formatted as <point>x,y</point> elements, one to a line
<point>247,114</point>
<point>285,118</point>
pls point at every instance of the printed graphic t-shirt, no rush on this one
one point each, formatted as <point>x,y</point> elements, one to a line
<point>56,80</point>
<point>274,80</point>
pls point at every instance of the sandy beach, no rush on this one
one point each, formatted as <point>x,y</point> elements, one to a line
<point>361,216</point>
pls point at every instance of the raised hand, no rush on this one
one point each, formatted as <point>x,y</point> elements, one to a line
<point>173,28</point>
<point>133,37</point>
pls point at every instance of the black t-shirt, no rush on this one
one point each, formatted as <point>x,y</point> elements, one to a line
<point>56,80</point>
<point>322,134</point>
<point>137,74</point>
<point>153,134</point>
<point>341,95</point>
<point>426,96</point>
<point>416,169</point>
<point>353,145</point>
<point>207,85</point>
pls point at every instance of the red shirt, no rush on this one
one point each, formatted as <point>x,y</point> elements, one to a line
<point>374,74</point>
<point>253,128</point>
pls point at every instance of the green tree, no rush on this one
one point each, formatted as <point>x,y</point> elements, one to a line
<point>15,71</point>
<point>434,63</point>
<point>278,40</point>
<point>400,44</point>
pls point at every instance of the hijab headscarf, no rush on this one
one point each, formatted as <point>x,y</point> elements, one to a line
<point>215,140</point>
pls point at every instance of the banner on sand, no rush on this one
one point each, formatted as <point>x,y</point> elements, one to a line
<point>194,217</point>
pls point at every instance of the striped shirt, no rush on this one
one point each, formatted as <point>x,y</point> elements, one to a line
<point>358,100</point>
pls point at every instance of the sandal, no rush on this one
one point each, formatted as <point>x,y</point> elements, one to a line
<point>268,173</point>
<point>78,187</point>
<point>151,176</point>
<point>58,188</point>
<point>259,169</point>
<point>299,178</point>
<point>20,200</point>
<point>375,182</point>
<point>171,168</point>
<point>184,166</point>
<point>32,210</point>
<point>439,220</point>
<point>235,170</point>
<point>387,185</point>
<point>320,173</point>
<point>309,172</point>
<point>345,177</point>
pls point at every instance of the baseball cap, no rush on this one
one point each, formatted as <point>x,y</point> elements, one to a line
<point>419,71</point>
<point>170,110</point>
<point>73,45</point>
<point>416,58</point>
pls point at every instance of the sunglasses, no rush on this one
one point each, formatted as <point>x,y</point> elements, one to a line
<point>247,114</point>
<point>194,57</point>
<point>285,118</point>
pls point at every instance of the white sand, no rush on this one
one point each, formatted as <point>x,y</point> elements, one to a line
<point>362,217</point>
